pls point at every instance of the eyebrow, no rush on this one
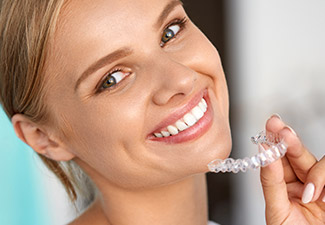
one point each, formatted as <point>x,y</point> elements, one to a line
<point>124,52</point>
<point>108,59</point>
<point>167,10</point>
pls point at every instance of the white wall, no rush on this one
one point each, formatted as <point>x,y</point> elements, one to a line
<point>277,63</point>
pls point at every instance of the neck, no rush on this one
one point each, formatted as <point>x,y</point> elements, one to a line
<point>184,202</point>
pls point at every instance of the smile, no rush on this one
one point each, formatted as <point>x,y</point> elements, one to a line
<point>187,121</point>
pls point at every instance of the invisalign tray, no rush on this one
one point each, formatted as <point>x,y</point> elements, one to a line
<point>276,149</point>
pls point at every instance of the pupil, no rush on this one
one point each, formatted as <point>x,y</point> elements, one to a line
<point>168,34</point>
<point>109,82</point>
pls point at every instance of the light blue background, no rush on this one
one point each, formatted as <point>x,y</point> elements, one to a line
<point>22,201</point>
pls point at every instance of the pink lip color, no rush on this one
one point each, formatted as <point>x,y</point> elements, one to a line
<point>193,132</point>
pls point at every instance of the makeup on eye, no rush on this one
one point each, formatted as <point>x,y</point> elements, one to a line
<point>172,30</point>
<point>112,79</point>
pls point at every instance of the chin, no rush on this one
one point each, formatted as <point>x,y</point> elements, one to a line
<point>218,148</point>
<point>217,151</point>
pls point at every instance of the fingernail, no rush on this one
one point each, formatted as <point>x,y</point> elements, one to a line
<point>308,194</point>
<point>276,115</point>
<point>292,130</point>
<point>323,199</point>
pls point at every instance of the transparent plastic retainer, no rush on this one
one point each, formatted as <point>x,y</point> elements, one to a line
<point>270,149</point>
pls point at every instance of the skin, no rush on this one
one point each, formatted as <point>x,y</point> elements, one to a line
<point>285,180</point>
<point>141,181</point>
<point>108,135</point>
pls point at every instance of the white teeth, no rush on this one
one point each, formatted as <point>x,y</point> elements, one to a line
<point>189,119</point>
<point>202,106</point>
<point>172,130</point>
<point>158,134</point>
<point>165,133</point>
<point>181,125</point>
<point>204,102</point>
<point>197,112</point>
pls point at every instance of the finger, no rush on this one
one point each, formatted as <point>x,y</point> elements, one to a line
<point>275,192</point>
<point>295,190</point>
<point>289,174</point>
<point>274,125</point>
<point>300,159</point>
<point>315,182</point>
<point>323,198</point>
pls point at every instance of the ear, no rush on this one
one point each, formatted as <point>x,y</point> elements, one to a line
<point>39,140</point>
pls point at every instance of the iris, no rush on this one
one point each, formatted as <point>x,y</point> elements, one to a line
<point>110,81</point>
<point>167,35</point>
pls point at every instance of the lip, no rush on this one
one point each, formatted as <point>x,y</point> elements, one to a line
<point>197,130</point>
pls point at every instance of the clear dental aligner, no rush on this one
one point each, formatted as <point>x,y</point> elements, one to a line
<point>276,149</point>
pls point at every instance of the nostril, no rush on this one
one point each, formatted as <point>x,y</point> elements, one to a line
<point>163,97</point>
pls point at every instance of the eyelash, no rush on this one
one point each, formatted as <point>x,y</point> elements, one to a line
<point>181,22</point>
<point>115,70</point>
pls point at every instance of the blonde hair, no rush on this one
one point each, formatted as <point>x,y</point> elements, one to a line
<point>26,28</point>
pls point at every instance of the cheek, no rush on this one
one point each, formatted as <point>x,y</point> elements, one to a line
<point>202,56</point>
<point>110,141</point>
<point>106,128</point>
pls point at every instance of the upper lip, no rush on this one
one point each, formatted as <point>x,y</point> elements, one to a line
<point>180,112</point>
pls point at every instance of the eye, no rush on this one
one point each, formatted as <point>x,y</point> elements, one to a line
<point>170,33</point>
<point>113,79</point>
<point>172,30</point>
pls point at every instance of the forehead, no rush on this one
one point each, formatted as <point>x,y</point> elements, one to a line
<point>84,19</point>
<point>79,17</point>
<point>85,25</point>
<point>94,12</point>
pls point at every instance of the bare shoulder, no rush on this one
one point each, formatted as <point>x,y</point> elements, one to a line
<point>92,215</point>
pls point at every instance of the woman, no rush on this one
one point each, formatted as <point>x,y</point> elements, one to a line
<point>135,95</point>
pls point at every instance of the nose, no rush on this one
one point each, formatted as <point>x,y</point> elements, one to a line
<point>173,81</point>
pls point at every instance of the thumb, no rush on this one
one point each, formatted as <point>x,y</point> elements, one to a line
<point>277,204</point>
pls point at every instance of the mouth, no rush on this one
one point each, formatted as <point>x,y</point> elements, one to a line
<point>187,124</point>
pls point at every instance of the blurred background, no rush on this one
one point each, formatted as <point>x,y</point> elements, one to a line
<point>273,54</point>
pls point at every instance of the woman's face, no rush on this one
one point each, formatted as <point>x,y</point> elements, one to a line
<point>120,71</point>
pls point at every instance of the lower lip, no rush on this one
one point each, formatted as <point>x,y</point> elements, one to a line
<point>192,133</point>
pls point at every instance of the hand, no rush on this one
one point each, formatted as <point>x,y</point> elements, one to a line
<point>293,186</point>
